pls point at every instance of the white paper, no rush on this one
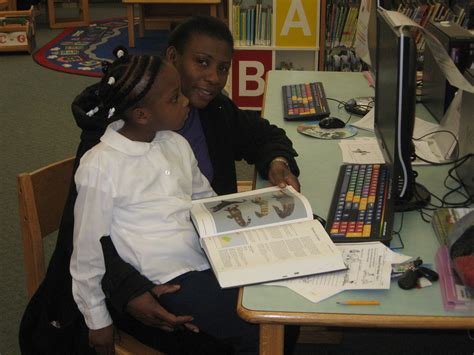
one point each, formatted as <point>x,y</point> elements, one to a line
<point>367,151</point>
<point>426,150</point>
<point>361,43</point>
<point>366,122</point>
<point>450,122</point>
<point>423,127</point>
<point>369,268</point>
<point>361,151</point>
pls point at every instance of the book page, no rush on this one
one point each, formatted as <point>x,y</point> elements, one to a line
<point>269,245</point>
<point>249,210</point>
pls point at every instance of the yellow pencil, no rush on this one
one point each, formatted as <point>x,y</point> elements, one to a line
<point>359,303</point>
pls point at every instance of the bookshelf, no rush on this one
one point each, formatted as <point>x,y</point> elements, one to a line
<point>17,31</point>
<point>309,35</point>
<point>342,17</point>
<point>272,34</point>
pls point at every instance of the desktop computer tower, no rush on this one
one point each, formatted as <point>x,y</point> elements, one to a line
<point>465,171</point>
<point>437,93</point>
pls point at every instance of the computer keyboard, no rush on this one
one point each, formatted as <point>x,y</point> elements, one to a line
<point>303,102</point>
<point>361,208</point>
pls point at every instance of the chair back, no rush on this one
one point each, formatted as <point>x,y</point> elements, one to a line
<point>42,195</point>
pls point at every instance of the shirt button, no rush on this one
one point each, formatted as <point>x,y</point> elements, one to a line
<point>167,172</point>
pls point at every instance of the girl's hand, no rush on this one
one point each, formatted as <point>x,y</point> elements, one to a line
<point>102,340</point>
<point>147,309</point>
<point>279,174</point>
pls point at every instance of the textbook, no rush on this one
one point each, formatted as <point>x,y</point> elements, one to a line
<point>444,219</point>
<point>263,235</point>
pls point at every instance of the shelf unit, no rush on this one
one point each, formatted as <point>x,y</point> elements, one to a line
<point>296,38</point>
<point>17,32</point>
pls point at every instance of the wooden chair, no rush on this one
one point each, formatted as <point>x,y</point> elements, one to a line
<point>82,18</point>
<point>42,195</point>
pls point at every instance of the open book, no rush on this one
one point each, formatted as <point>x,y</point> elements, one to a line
<point>263,235</point>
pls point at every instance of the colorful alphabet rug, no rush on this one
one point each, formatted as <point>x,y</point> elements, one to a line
<point>81,50</point>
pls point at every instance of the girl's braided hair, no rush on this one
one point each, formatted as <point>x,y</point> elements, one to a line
<point>126,81</point>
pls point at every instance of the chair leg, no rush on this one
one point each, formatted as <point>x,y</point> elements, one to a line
<point>141,21</point>
<point>220,11</point>
<point>213,10</point>
<point>85,11</point>
<point>131,25</point>
<point>51,14</point>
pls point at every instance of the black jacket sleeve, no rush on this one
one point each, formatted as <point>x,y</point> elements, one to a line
<point>256,140</point>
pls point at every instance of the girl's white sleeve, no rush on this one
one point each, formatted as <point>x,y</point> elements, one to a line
<point>92,220</point>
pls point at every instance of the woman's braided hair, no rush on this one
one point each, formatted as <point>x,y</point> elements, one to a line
<point>126,81</point>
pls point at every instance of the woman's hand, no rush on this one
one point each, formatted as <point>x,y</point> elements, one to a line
<point>102,340</point>
<point>279,174</point>
<point>147,309</point>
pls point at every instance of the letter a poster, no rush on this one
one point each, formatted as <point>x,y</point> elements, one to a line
<point>297,23</point>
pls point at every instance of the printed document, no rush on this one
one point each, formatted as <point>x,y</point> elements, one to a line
<point>369,268</point>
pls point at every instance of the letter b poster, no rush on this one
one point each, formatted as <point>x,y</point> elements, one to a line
<point>248,76</point>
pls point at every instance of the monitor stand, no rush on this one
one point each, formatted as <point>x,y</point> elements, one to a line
<point>420,198</point>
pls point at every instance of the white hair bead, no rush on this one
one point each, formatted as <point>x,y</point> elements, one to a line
<point>111,81</point>
<point>111,112</point>
<point>120,53</point>
<point>92,112</point>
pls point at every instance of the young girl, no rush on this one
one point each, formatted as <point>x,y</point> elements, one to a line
<point>136,185</point>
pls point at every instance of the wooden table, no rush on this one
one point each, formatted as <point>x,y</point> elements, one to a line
<point>213,5</point>
<point>272,307</point>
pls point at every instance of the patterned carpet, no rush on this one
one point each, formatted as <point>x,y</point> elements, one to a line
<point>81,50</point>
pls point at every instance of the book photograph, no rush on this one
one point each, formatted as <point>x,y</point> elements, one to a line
<point>249,210</point>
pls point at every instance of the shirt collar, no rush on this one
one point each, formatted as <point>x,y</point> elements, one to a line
<point>121,143</point>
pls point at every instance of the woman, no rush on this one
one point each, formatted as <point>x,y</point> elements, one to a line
<point>219,134</point>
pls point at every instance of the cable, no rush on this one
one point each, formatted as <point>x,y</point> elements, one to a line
<point>438,131</point>
<point>341,104</point>
<point>397,233</point>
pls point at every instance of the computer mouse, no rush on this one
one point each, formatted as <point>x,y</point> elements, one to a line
<point>331,122</point>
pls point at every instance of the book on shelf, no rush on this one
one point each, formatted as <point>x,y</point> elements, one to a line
<point>444,219</point>
<point>251,23</point>
<point>263,235</point>
<point>456,296</point>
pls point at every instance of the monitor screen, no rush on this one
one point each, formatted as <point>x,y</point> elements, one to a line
<point>395,91</point>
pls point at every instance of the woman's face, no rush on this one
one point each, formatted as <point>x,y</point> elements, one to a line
<point>204,67</point>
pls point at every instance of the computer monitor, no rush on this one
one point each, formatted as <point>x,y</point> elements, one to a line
<point>395,89</point>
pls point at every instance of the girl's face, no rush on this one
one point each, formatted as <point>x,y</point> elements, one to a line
<point>204,68</point>
<point>166,105</point>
